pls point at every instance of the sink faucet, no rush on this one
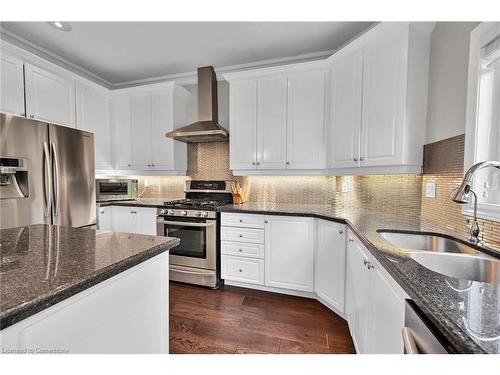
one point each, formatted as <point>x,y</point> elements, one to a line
<point>463,192</point>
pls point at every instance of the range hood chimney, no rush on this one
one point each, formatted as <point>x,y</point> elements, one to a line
<point>207,128</point>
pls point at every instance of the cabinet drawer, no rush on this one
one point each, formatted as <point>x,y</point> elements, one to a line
<point>242,220</point>
<point>242,234</point>
<point>241,269</point>
<point>242,249</point>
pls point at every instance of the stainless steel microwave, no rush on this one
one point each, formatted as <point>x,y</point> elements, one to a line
<point>116,189</point>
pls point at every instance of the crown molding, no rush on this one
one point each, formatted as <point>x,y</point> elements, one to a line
<point>187,78</point>
<point>47,55</point>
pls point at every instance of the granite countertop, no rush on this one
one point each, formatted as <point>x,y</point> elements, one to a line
<point>461,310</point>
<point>41,265</point>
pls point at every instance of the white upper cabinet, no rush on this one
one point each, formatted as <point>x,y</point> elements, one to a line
<point>243,121</point>
<point>305,131</point>
<point>378,100</point>
<point>345,110</point>
<point>141,118</point>
<point>384,83</point>
<point>122,132</point>
<point>162,111</point>
<point>271,123</point>
<point>49,97</point>
<point>93,115</point>
<point>277,120</point>
<point>289,252</point>
<point>11,85</point>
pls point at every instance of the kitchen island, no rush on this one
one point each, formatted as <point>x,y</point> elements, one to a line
<point>93,291</point>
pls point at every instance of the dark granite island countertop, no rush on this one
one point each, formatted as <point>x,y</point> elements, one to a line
<point>41,265</point>
<point>466,313</point>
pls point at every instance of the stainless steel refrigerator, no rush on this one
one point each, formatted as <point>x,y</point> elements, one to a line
<point>47,174</point>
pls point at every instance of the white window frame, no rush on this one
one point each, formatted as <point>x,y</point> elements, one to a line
<point>479,37</point>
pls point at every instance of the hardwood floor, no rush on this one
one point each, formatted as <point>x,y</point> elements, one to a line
<point>238,320</point>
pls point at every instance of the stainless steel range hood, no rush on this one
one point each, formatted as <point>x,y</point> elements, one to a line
<point>207,128</point>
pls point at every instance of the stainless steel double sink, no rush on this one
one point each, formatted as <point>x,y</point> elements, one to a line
<point>446,256</point>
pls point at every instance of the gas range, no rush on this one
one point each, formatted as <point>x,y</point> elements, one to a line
<point>193,220</point>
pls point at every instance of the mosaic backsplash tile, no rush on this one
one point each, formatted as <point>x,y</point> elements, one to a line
<point>443,165</point>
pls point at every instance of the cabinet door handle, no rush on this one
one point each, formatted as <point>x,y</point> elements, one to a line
<point>240,250</point>
<point>287,163</point>
<point>152,165</point>
<point>240,235</point>
<point>32,116</point>
<point>253,163</point>
<point>129,165</point>
<point>366,262</point>
<point>23,114</point>
<point>341,231</point>
<point>361,159</point>
<point>241,220</point>
<point>370,266</point>
<point>351,240</point>
<point>355,159</point>
<point>240,270</point>
<point>265,221</point>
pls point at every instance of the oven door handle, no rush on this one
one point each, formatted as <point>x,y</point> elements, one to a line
<point>186,224</point>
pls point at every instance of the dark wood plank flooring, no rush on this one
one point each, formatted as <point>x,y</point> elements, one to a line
<point>239,320</point>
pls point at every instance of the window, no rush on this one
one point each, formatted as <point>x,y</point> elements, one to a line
<point>483,116</point>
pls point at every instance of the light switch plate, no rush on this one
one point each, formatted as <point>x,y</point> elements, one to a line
<point>430,190</point>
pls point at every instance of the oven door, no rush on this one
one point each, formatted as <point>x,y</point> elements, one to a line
<point>197,247</point>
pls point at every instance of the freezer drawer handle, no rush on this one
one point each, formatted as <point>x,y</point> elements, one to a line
<point>56,180</point>
<point>46,179</point>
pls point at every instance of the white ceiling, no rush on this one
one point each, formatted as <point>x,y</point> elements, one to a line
<point>117,53</point>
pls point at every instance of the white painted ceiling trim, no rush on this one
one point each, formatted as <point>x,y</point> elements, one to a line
<point>180,78</point>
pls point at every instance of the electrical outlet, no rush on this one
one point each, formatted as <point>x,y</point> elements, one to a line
<point>430,190</point>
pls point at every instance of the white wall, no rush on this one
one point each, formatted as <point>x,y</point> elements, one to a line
<point>222,96</point>
<point>448,80</point>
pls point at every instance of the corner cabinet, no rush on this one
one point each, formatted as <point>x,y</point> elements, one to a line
<point>277,120</point>
<point>378,100</point>
<point>330,263</point>
<point>375,303</point>
<point>140,118</point>
<point>361,111</point>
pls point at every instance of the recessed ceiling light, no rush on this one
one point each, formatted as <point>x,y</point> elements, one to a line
<point>60,25</point>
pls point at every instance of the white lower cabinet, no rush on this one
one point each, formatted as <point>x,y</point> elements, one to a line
<point>127,313</point>
<point>104,215</point>
<point>374,303</point>
<point>128,219</point>
<point>243,269</point>
<point>289,252</point>
<point>309,257</point>
<point>330,262</point>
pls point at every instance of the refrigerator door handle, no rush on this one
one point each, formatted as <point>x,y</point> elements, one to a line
<point>56,179</point>
<point>46,180</point>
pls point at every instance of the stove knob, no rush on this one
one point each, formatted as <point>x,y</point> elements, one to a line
<point>170,212</point>
<point>204,214</point>
<point>184,213</point>
<point>197,213</point>
<point>162,211</point>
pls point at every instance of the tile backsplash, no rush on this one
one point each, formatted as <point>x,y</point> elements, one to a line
<point>443,165</point>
